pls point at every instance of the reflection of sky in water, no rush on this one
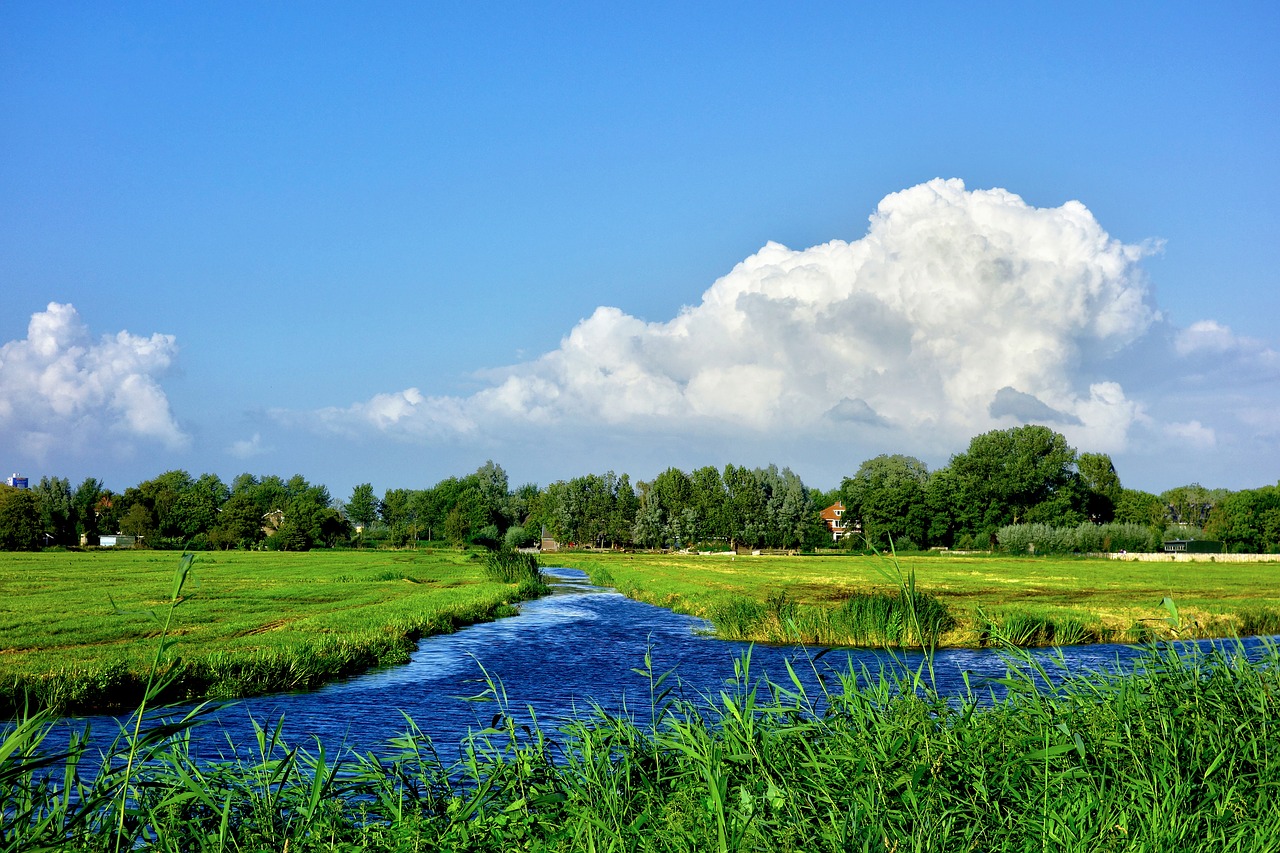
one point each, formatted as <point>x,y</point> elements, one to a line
<point>564,653</point>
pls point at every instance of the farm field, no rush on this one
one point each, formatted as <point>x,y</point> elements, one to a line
<point>78,629</point>
<point>1027,600</point>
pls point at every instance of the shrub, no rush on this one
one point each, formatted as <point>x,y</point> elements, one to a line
<point>512,567</point>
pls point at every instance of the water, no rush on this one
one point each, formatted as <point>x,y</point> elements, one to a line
<point>562,654</point>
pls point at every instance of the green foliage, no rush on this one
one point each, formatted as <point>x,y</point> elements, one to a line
<point>904,617</point>
<point>1182,754</point>
<point>362,508</point>
<point>519,537</point>
<point>1102,486</point>
<point>511,566</point>
<point>1085,538</point>
<point>1247,521</point>
<point>1258,621</point>
<point>1022,628</point>
<point>57,511</point>
<point>20,526</point>
<point>1191,504</point>
<point>1013,476</point>
<point>888,496</point>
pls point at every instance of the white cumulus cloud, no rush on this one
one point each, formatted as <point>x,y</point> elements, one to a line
<point>61,388</point>
<point>959,311</point>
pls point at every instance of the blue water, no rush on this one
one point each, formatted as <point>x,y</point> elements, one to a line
<point>561,655</point>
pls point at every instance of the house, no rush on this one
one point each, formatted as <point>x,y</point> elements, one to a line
<point>833,518</point>
<point>271,521</point>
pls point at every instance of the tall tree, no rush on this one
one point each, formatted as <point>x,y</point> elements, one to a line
<point>362,508</point>
<point>1247,521</point>
<point>1013,476</point>
<point>239,523</point>
<point>86,502</point>
<point>888,497</point>
<point>1102,486</point>
<point>57,510</point>
<point>20,528</point>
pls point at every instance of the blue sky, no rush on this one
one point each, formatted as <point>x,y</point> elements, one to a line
<point>375,242</point>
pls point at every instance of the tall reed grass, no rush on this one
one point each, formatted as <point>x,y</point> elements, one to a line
<point>898,619</point>
<point>518,567</point>
<point>1182,754</point>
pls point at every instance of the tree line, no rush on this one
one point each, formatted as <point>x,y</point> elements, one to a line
<point>1005,478</point>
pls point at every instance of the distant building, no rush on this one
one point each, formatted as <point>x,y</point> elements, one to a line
<point>17,482</point>
<point>1192,546</point>
<point>833,518</point>
<point>117,541</point>
<point>271,521</point>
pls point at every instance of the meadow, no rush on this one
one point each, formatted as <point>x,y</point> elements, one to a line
<point>77,628</point>
<point>961,600</point>
<point>1182,753</point>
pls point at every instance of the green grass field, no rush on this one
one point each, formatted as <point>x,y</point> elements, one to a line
<point>77,628</point>
<point>1067,599</point>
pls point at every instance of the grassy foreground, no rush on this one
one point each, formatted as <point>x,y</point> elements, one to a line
<point>1184,755</point>
<point>1025,601</point>
<point>76,627</point>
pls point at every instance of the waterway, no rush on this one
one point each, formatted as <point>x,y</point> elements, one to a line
<point>562,655</point>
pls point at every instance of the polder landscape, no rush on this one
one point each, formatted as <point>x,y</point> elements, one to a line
<point>269,585</point>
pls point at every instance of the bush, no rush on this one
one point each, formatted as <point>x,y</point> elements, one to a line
<point>518,537</point>
<point>1084,539</point>
<point>515,567</point>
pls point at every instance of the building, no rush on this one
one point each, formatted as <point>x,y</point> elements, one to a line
<point>18,482</point>
<point>833,518</point>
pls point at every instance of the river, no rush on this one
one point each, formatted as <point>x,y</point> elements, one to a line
<point>563,653</point>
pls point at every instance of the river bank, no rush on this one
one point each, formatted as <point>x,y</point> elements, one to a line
<point>1180,753</point>
<point>79,630</point>
<point>989,600</point>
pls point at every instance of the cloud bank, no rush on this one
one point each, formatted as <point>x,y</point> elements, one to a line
<point>61,389</point>
<point>958,311</point>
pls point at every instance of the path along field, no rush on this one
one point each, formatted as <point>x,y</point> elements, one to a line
<point>77,631</point>
<point>1027,600</point>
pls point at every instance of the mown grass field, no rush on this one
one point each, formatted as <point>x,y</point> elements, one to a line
<point>1088,600</point>
<point>77,628</point>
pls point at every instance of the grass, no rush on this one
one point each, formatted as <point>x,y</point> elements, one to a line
<point>1031,600</point>
<point>77,628</point>
<point>1184,755</point>
<point>1181,754</point>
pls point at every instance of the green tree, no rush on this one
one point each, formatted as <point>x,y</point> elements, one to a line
<point>195,511</point>
<point>1247,521</point>
<point>622,517</point>
<point>745,506</point>
<point>86,500</point>
<point>1190,505</point>
<point>138,521</point>
<point>1102,486</point>
<point>362,508</point>
<point>888,496</point>
<point>457,527</point>
<point>1138,507</point>
<point>161,496</point>
<point>1015,476</point>
<point>57,511</point>
<point>20,528</point>
<point>239,523</point>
